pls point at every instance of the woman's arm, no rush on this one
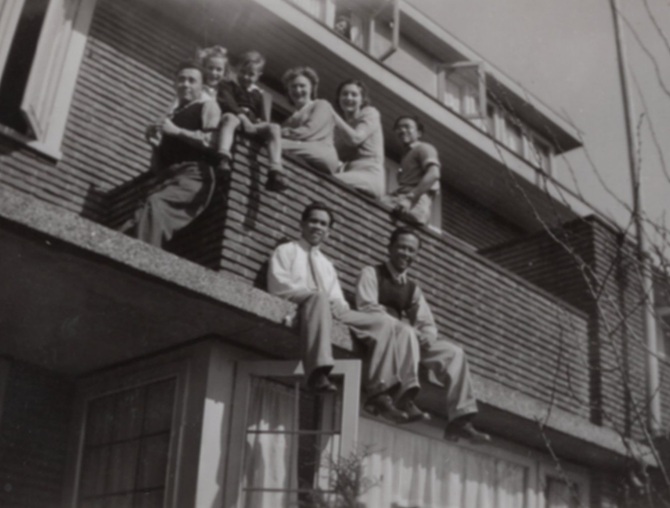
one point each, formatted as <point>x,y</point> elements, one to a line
<point>368,123</point>
<point>320,115</point>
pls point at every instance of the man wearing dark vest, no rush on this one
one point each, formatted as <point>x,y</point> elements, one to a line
<point>181,160</point>
<point>389,287</point>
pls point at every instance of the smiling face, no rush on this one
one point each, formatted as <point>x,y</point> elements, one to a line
<point>188,85</point>
<point>316,227</point>
<point>350,99</point>
<point>403,251</point>
<point>249,76</point>
<point>406,131</point>
<point>300,91</point>
<point>215,69</point>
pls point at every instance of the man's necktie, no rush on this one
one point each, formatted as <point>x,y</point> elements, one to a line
<point>318,282</point>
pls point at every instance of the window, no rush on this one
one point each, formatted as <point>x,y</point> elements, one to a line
<point>41,46</point>
<point>540,154</point>
<point>513,135</point>
<point>462,88</point>
<point>663,331</point>
<point>562,487</point>
<point>129,437</point>
<point>284,437</point>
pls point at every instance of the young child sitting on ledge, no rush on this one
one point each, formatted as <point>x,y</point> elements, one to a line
<point>245,106</point>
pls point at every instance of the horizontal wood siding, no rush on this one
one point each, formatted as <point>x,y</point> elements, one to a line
<point>34,434</point>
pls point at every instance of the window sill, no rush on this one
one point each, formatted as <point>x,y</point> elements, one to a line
<point>40,148</point>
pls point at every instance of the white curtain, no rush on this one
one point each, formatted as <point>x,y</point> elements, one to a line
<point>417,471</point>
<point>270,460</point>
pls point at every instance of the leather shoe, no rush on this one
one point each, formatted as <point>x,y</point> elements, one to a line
<point>414,414</point>
<point>320,383</point>
<point>382,405</point>
<point>465,430</point>
<point>276,182</point>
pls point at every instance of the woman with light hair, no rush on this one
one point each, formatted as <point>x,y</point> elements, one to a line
<point>308,132</point>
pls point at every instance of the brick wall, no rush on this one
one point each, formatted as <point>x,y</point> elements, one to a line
<point>466,219</point>
<point>34,434</point>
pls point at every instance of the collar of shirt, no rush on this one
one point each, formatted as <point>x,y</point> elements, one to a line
<point>307,247</point>
<point>398,277</point>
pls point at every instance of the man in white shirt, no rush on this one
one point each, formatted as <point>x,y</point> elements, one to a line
<point>299,272</point>
<point>388,287</point>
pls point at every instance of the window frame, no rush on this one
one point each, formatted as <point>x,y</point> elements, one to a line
<point>113,382</point>
<point>350,370</point>
<point>662,349</point>
<point>567,471</point>
<point>444,70</point>
<point>49,92</point>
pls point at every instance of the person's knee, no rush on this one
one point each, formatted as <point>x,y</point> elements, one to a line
<point>274,130</point>
<point>229,119</point>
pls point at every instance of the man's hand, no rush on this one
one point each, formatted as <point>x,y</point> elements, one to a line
<point>153,135</point>
<point>338,307</point>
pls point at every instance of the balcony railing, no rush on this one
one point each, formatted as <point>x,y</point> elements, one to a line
<point>515,333</point>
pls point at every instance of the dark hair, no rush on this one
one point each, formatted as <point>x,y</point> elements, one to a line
<point>365,93</point>
<point>317,205</point>
<point>403,230</point>
<point>308,72</point>
<point>251,58</point>
<point>415,119</point>
<point>190,65</point>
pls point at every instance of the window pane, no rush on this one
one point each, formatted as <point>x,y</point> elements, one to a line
<point>514,139</point>
<point>160,402</point>
<point>128,414</point>
<point>153,461</point>
<point>560,494</point>
<point>127,447</point>
<point>122,467</point>
<point>94,471</point>
<point>19,63</point>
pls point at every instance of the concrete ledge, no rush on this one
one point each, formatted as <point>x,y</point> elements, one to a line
<point>505,412</point>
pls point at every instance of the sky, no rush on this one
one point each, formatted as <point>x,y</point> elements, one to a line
<point>564,53</point>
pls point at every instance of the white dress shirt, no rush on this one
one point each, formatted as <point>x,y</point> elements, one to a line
<point>290,275</point>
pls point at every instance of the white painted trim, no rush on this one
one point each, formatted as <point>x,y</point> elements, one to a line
<point>126,378</point>
<point>350,370</point>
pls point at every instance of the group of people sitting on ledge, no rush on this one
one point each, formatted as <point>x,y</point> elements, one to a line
<point>192,144</point>
<point>392,320</point>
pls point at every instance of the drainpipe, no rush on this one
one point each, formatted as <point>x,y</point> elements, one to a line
<point>649,321</point>
<point>395,36</point>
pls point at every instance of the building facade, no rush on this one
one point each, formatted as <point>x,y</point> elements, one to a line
<point>132,376</point>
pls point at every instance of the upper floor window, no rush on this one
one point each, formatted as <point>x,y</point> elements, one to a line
<point>663,331</point>
<point>461,87</point>
<point>41,46</point>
